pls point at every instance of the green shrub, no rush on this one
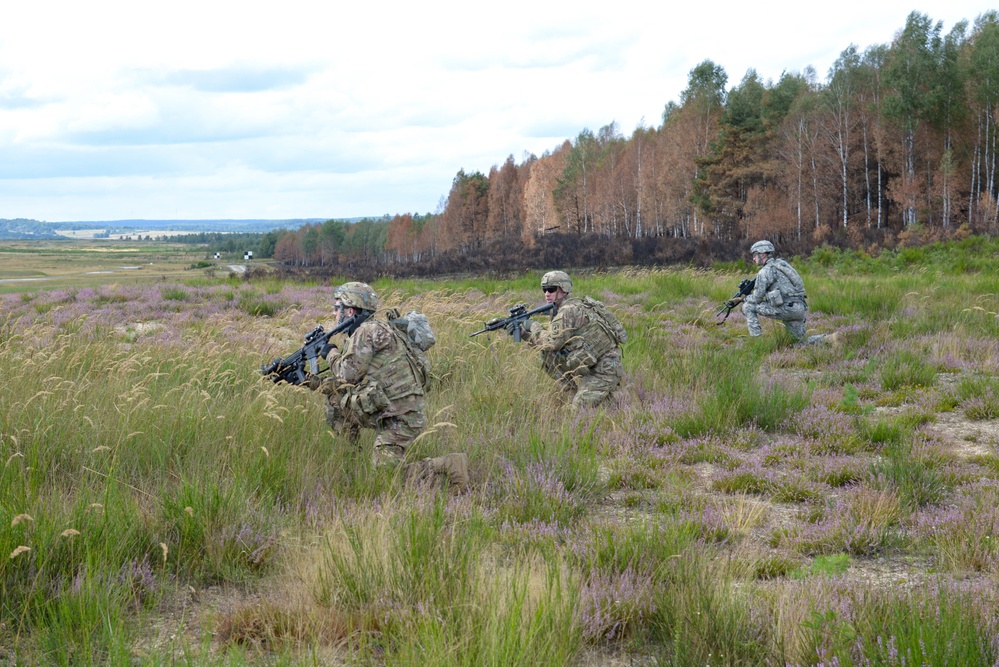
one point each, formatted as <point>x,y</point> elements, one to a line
<point>906,369</point>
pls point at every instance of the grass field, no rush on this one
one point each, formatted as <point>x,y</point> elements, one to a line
<point>75,264</point>
<point>745,501</point>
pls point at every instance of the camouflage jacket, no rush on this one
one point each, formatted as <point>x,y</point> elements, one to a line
<point>373,352</point>
<point>576,335</point>
<point>777,282</point>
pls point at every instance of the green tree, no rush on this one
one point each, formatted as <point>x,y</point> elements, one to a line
<point>796,144</point>
<point>736,161</point>
<point>781,98</point>
<point>688,132</point>
<point>948,108</point>
<point>310,244</point>
<point>839,103</point>
<point>909,75</point>
<point>984,80</point>
<point>268,241</point>
<point>572,190</point>
<point>331,237</point>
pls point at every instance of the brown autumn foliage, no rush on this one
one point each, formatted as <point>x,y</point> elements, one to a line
<point>899,144</point>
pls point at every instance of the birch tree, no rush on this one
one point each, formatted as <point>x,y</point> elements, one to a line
<point>839,101</point>
<point>909,74</point>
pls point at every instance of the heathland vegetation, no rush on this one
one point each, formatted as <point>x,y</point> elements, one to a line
<point>745,502</point>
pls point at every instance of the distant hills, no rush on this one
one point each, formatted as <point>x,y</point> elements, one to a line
<point>23,228</point>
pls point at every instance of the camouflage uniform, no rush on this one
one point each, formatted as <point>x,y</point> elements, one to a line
<point>779,294</point>
<point>378,382</point>
<point>579,350</point>
<point>375,386</point>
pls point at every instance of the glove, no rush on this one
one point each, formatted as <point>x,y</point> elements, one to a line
<point>493,322</point>
<point>312,381</point>
<point>512,328</point>
<point>330,353</point>
<point>530,327</point>
<point>732,303</point>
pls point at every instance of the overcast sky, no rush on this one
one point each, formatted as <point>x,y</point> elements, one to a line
<point>319,109</point>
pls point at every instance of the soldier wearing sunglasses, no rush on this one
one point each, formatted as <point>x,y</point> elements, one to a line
<point>581,349</point>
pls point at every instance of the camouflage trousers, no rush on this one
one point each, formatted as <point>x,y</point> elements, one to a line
<point>596,387</point>
<point>791,313</point>
<point>395,428</point>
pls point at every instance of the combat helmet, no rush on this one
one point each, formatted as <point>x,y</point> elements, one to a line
<point>762,247</point>
<point>557,279</point>
<point>357,295</point>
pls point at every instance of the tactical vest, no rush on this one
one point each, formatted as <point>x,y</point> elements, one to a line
<point>601,334</point>
<point>392,369</point>
<point>797,290</point>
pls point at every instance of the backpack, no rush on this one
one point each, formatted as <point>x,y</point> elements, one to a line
<point>601,334</point>
<point>419,331</point>
<point>415,332</point>
<point>611,324</point>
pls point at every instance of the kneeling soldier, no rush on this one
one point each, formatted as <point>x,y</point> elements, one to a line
<point>778,293</point>
<point>581,350</point>
<point>375,385</point>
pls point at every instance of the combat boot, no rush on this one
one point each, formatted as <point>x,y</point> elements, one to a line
<point>835,339</point>
<point>454,467</point>
<point>417,472</point>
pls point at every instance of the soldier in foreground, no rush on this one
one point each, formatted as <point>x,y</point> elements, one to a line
<point>375,384</point>
<point>778,293</point>
<point>581,349</point>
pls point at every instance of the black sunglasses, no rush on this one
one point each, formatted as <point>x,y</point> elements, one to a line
<point>549,290</point>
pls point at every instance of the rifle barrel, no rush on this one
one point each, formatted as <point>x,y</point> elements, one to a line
<point>516,315</point>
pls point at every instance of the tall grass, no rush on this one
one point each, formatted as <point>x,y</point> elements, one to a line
<point>144,457</point>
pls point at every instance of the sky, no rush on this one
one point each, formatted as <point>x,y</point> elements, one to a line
<point>212,109</point>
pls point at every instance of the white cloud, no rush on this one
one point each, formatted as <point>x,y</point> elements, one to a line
<point>315,108</point>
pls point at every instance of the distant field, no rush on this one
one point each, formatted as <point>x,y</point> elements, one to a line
<point>28,265</point>
<point>156,234</point>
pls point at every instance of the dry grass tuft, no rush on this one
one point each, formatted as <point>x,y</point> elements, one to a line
<point>742,514</point>
<point>274,626</point>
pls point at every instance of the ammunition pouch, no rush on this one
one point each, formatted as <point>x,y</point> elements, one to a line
<point>579,359</point>
<point>367,398</point>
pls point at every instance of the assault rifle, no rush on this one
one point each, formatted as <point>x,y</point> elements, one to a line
<point>518,315</point>
<point>745,289</point>
<point>292,369</point>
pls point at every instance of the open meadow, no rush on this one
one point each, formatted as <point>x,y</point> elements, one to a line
<point>74,264</point>
<point>744,502</point>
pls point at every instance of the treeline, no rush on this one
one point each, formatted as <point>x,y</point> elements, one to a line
<point>899,142</point>
<point>335,242</point>
<point>262,245</point>
<point>25,228</point>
